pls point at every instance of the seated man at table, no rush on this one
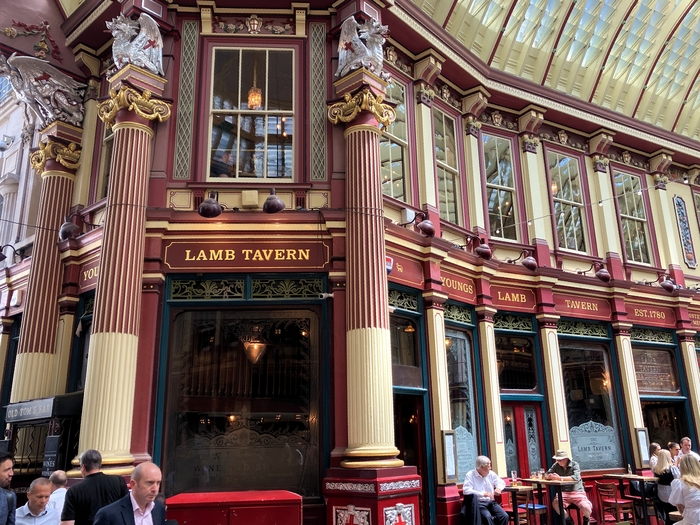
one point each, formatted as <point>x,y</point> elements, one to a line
<point>566,469</point>
<point>484,484</point>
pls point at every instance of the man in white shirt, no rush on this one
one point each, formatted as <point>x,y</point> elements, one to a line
<point>34,512</point>
<point>485,484</point>
<point>686,443</point>
<point>58,481</point>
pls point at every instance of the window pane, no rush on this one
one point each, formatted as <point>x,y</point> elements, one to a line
<point>656,371</point>
<point>252,126</point>
<point>567,195</point>
<point>516,363</point>
<point>630,201</point>
<point>590,406</point>
<point>459,369</point>
<point>500,187</point>
<point>238,417</point>
<point>446,191</point>
<point>403,342</point>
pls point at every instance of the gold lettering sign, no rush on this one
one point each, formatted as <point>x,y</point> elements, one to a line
<point>655,371</point>
<point>513,298</point>
<point>239,255</point>
<point>458,287</point>
<point>570,305</point>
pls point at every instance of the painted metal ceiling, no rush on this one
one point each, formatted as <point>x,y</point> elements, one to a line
<point>637,57</point>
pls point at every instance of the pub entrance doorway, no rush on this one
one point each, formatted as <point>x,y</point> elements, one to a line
<point>522,431</point>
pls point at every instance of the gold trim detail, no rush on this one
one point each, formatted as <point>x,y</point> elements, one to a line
<point>376,463</point>
<point>67,156</point>
<point>131,100</point>
<point>364,100</point>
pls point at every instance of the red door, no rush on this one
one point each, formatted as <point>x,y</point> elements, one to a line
<point>523,436</point>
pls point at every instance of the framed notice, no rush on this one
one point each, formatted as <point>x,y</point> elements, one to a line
<point>643,441</point>
<point>449,446</point>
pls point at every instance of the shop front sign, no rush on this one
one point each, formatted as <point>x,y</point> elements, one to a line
<point>644,314</point>
<point>587,307</point>
<point>238,256</point>
<point>405,271</point>
<point>513,298</point>
<point>459,288</point>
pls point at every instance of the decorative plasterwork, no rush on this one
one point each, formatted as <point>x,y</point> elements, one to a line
<point>425,94</point>
<point>684,231</point>
<point>352,514</point>
<point>319,126</point>
<point>512,322</point>
<point>403,300</point>
<point>365,100</point>
<point>581,328</point>
<point>254,26</point>
<point>392,57</point>
<point>460,314</point>
<point>650,335</point>
<point>400,514</point>
<point>185,113</point>
<point>131,100</point>
<point>67,156</point>
<point>350,487</point>
<point>137,42</point>
<point>41,47</point>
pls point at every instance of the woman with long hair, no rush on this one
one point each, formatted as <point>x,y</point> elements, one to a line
<point>653,454</point>
<point>685,491</point>
<point>666,472</point>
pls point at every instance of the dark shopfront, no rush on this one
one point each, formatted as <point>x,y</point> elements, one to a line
<point>242,405</point>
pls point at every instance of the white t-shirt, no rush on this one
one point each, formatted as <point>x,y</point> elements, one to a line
<point>56,500</point>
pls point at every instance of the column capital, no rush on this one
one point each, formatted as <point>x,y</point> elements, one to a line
<point>130,99</point>
<point>55,150</point>
<point>434,300</point>
<point>362,101</point>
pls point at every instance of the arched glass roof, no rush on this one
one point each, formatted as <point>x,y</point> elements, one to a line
<point>637,57</point>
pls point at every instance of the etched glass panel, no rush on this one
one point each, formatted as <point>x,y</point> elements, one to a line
<point>459,370</point>
<point>590,406</point>
<point>533,439</point>
<point>242,401</point>
<point>656,371</point>
<point>509,440</point>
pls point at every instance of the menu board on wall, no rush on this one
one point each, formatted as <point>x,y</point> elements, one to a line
<point>655,371</point>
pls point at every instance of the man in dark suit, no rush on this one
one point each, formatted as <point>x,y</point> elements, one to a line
<point>139,506</point>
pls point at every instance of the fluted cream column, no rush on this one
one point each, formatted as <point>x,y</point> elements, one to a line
<point>8,191</point>
<point>439,377</point>
<point>35,367</point>
<point>689,360</point>
<point>492,388</point>
<point>628,375</point>
<point>554,377</point>
<point>109,387</point>
<point>368,341</point>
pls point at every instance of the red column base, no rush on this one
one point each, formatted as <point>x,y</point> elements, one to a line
<point>449,505</point>
<point>385,496</point>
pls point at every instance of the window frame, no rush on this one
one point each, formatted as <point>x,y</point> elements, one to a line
<point>654,261</point>
<point>519,198</point>
<point>205,116</point>
<point>409,150</point>
<point>591,248</point>
<point>456,171</point>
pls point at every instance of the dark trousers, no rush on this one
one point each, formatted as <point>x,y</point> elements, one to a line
<point>492,513</point>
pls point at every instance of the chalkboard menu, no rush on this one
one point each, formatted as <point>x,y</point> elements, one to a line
<point>50,455</point>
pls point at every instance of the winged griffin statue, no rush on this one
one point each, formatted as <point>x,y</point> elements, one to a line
<point>50,94</point>
<point>360,45</point>
<point>137,42</point>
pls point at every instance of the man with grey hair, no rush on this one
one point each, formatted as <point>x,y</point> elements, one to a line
<point>484,484</point>
<point>58,481</point>
<point>94,492</point>
<point>34,512</point>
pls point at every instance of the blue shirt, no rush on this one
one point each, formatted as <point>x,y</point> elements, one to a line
<point>23,516</point>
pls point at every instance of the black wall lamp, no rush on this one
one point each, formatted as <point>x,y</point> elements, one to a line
<point>665,281</point>
<point>482,249</point>
<point>69,229</point>
<point>526,259</point>
<point>210,207</point>
<point>2,252</point>
<point>600,272</point>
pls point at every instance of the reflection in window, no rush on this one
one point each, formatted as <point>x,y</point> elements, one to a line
<point>568,199</point>
<point>500,186</point>
<point>252,114</point>
<point>242,402</point>
<point>516,363</point>
<point>593,426</point>
<point>446,158</point>
<point>459,370</point>
<point>393,146</point>
<point>403,341</point>
<point>630,202</point>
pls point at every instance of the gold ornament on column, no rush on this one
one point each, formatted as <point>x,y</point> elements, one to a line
<point>130,99</point>
<point>364,100</point>
<point>66,154</point>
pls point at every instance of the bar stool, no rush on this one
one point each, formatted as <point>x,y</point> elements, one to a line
<point>573,510</point>
<point>611,506</point>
